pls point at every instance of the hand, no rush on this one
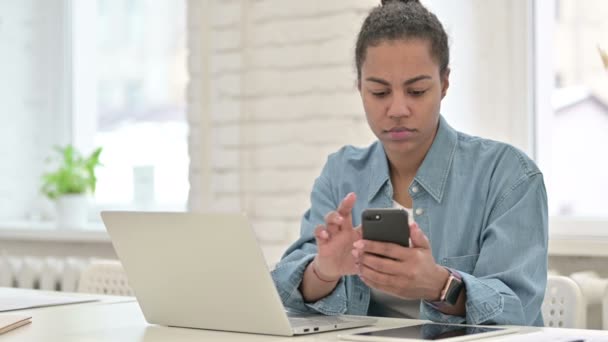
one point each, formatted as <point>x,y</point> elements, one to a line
<point>405,272</point>
<point>335,241</point>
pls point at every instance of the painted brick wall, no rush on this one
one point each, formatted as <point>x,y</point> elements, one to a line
<point>279,82</point>
<point>273,92</point>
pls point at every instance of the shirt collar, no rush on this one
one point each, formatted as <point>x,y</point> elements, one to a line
<point>432,174</point>
<point>379,170</point>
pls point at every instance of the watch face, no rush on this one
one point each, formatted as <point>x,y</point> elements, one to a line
<point>453,291</point>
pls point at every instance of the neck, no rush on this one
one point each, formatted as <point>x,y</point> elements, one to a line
<point>406,165</point>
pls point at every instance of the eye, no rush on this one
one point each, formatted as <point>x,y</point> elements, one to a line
<point>380,93</point>
<point>417,92</point>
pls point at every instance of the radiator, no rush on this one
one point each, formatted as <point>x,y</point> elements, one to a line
<point>44,273</point>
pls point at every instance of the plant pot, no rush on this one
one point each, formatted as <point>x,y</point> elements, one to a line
<point>72,211</point>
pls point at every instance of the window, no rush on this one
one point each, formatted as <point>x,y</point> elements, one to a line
<point>129,82</point>
<point>572,112</point>
<point>95,73</point>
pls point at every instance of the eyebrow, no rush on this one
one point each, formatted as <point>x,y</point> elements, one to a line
<point>408,82</point>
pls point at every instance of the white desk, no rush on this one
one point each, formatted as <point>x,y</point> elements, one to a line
<point>123,321</point>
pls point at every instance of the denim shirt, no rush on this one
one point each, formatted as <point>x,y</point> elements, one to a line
<point>481,203</point>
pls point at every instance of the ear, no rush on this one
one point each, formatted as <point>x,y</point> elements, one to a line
<point>445,82</point>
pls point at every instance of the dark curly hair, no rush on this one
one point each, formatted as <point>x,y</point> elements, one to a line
<point>402,19</point>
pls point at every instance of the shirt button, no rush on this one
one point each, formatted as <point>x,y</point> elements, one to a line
<point>415,189</point>
<point>419,211</point>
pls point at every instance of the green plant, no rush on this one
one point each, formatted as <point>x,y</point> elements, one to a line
<point>75,174</point>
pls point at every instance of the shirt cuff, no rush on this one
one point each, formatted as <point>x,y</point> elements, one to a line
<point>483,304</point>
<point>288,277</point>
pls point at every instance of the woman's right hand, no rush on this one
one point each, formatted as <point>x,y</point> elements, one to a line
<point>335,242</point>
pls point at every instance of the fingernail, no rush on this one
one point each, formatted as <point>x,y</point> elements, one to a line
<point>358,244</point>
<point>354,253</point>
<point>340,219</point>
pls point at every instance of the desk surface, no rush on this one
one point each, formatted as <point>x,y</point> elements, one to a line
<point>115,320</point>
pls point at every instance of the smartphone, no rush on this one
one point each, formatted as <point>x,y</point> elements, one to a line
<point>386,225</point>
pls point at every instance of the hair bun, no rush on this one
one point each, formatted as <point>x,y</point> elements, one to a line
<point>384,2</point>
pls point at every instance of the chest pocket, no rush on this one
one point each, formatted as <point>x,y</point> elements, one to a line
<point>465,263</point>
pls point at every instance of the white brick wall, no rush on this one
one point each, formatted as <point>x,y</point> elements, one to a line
<point>281,97</point>
<point>276,93</point>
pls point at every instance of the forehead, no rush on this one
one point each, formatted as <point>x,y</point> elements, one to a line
<point>411,56</point>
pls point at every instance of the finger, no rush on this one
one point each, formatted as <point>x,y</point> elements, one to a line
<point>321,234</point>
<point>379,264</point>
<point>358,232</point>
<point>374,285</point>
<point>374,276</point>
<point>332,229</point>
<point>333,217</point>
<point>346,206</point>
<point>355,253</point>
<point>419,240</point>
<point>384,249</point>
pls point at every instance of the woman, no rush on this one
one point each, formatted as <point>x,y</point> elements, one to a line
<point>478,251</point>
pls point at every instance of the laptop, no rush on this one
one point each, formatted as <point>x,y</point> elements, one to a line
<point>206,271</point>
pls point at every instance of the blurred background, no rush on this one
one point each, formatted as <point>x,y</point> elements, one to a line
<point>234,105</point>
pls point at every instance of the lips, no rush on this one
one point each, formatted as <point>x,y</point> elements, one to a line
<point>400,133</point>
<point>400,129</point>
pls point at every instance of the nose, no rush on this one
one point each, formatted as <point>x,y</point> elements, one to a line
<point>398,106</point>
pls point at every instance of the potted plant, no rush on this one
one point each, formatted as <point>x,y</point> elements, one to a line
<point>70,184</point>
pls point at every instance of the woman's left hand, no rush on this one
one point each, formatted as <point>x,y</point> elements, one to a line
<point>405,272</point>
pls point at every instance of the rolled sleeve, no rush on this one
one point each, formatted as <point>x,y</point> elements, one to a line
<point>508,282</point>
<point>288,276</point>
<point>484,303</point>
<point>290,270</point>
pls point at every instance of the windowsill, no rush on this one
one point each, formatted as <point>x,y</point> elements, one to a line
<point>586,246</point>
<point>577,236</point>
<point>48,231</point>
<point>586,240</point>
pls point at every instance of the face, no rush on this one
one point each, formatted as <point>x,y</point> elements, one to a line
<point>401,88</point>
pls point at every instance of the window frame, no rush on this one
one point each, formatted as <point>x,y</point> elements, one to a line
<point>560,227</point>
<point>82,37</point>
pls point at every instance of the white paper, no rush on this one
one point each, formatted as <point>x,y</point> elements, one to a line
<point>563,335</point>
<point>12,301</point>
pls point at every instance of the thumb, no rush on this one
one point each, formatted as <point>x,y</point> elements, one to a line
<point>418,238</point>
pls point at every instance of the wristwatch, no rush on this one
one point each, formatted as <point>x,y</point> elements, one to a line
<point>451,290</point>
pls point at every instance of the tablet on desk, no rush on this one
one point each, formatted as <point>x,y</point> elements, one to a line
<point>430,331</point>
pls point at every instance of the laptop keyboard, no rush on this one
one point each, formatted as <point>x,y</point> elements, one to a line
<point>317,320</point>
